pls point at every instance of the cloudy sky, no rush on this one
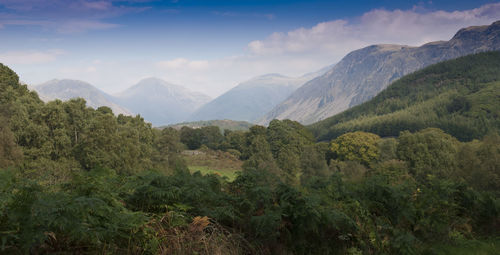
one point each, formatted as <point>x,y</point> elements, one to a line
<point>211,46</point>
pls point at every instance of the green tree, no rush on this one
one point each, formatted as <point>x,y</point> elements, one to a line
<point>168,146</point>
<point>430,151</point>
<point>479,163</point>
<point>261,157</point>
<point>10,153</point>
<point>357,146</point>
<point>190,137</point>
<point>313,164</point>
<point>211,136</point>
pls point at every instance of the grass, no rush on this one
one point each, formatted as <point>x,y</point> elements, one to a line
<point>208,161</point>
<point>204,170</point>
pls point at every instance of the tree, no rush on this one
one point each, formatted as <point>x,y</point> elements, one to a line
<point>261,157</point>
<point>168,146</point>
<point>100,146</point>
<point>430,151</point>
<point>479,163</point>
<point>357,146</point>
<point>10,153</point>
<point>190,137</point>
<point>313,164</point>
<point>211,136</point>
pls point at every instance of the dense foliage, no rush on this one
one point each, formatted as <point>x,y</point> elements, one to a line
<point>78,180</point>
<point>459,96</point>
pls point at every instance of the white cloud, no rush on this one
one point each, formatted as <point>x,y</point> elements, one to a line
<point>30,57</point>
<point>335,38</point>
<point>308,49</point>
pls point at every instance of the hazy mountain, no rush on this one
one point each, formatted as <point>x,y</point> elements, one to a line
<point>363,73</point>
<point>251,99</point>
<point>160,102</point>
<point>67,89</point>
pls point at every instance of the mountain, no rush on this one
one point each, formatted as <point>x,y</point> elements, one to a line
<point>251,99</point>
<point>67,89</point>
<point>160,102</point>
<point>222,124</point>
<point>460,96</point>
<point>363,73</point>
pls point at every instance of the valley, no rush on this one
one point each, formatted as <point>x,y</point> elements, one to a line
<point>352,128</point>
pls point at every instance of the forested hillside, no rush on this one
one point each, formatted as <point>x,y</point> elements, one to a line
<point>78,180</point>
<point>461,97</point>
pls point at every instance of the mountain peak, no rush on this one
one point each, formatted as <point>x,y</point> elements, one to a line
<point>363,73</point>
<point>469,32</point>
<point>270,75</point>
<point>66,89</point>
<point>152,80</point>
<point>250,99</point>
<point>161,102</point>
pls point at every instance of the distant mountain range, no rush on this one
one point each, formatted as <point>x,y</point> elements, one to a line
<point>160,102</point>
<point>250,99</point>
<point>67,89</point>
<point>358,77</point>
<point>157,101</point>
<point>363,73</point>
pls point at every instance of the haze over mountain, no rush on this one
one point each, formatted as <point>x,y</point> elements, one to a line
<point>160,102</point>
<point>363,73</point>
<point>251,99</point>
<point>67,89</point>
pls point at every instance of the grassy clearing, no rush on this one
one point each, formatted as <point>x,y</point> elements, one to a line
<point>213,162</point>
<point>229,173</point>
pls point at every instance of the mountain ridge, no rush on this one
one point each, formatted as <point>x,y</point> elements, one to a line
<point>66,89</point>
<point>363,73</point>
<point>460,96</point>
<point>250,99</point>
<point>160,102</point>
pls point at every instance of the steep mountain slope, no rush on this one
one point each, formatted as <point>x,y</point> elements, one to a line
<point>363,73</point>
<point>67,89</point>
<point>251,99</point>
<point>460,96</point>
<point>160,102</point>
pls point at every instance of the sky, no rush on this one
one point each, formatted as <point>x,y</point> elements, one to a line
<point>211,46</point>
